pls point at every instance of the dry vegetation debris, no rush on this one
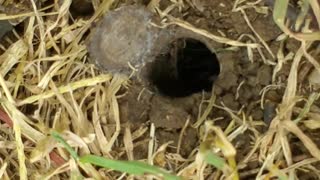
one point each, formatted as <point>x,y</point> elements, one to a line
<point>47,85</point>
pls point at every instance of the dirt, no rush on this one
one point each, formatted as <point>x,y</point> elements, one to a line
<point>169,115</point>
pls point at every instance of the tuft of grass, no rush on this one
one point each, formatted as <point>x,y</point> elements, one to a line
<point>131,167</point>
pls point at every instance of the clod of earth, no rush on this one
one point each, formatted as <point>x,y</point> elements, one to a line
<point>5,27</point>
<point>125,36</point>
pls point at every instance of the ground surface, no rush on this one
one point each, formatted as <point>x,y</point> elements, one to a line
<point>238,87</point>
<point>247,98</point>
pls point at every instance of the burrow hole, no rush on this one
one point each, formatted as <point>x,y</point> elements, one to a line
<point>188,66</point>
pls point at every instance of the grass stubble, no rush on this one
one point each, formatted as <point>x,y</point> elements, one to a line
<point>58,141</point>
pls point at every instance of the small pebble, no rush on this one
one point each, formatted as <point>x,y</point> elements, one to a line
<point>269,112</point>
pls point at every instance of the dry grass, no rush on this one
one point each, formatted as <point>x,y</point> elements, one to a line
<point>46,84</point>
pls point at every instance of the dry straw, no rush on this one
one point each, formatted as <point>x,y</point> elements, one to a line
<point>47,84</point>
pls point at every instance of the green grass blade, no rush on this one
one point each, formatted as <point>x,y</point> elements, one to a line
<point>131,167</point>
<point>58,137</point>
<point>313,97</point>
<point>279,11</point>
<point>215,160</point>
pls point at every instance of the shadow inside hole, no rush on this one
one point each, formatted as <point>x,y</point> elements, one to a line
<point>188,67</point>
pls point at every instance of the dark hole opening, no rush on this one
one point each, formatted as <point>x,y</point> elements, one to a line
<point>188,67</point>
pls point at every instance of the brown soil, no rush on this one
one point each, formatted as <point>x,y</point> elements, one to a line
<point>169,115</point>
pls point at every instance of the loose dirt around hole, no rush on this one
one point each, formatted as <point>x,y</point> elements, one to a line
<point>238,87</point>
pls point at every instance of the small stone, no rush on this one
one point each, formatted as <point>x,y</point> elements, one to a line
<point>252,81</point>
<point>264,75</point>
<point>257,114</point>
<point>272,95</point>
<point>227,80</point>
<point>314,77</point>
<point>269,112</point>
<point>218,90</point>
<point>292,45</point>
<point>5,27</point>
<point>245,93</point>
<point>230,102</point>
<point>81,7</point>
